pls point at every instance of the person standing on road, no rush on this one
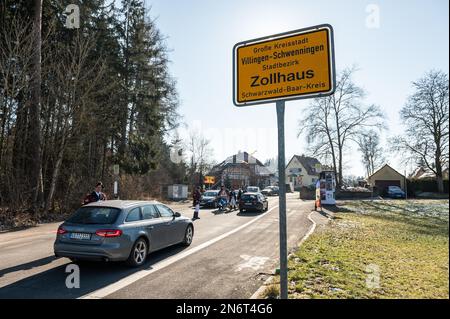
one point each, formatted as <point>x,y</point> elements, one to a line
<point>223,197</point>
<point>233,199</point>
<point>196,196</point>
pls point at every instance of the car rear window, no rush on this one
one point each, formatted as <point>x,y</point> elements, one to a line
<point>210,194</point>
<point>95,215</point>
<point>246,197</point>
<point>252,189</point>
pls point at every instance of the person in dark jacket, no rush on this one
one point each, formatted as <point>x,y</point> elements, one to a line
<point>239,194</point>
<point>196,196</point>
<point>96,195</point>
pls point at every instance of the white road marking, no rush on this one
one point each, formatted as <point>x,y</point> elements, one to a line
<point>253,263</point>
<point>105,291</point>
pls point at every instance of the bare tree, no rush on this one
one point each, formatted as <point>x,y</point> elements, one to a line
<point>35,105</point>
<point>426,117</point>
<point>372,153</point>
<point>332,122</point>
<point>16,60</point>
<point>76,79</point>
<point>200,154</point>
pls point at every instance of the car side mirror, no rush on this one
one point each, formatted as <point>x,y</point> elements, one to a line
<point>176,214</point>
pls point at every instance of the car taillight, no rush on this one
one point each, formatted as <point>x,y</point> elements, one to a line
<point>108,232</point>
<point>61,230</point>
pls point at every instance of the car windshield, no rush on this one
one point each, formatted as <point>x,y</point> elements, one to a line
<point>210,194</point>
<point>394,188</point>
<point>94,215</point>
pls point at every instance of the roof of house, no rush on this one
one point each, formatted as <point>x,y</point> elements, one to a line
<point>243,158</point>
<point>425,173</point>
<point>307,162</point>
<point>263,170</point>
<point>384,166</point>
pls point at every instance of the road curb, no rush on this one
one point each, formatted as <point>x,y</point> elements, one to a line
<point>260,291</point>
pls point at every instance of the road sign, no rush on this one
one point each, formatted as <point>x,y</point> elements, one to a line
<point>288,66</point>
<point>116,169</point>
<point>116,189</point>
<point>209,180</point>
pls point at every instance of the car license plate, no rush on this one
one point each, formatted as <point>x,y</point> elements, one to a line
<point>81,236</point>
<point>248,204</point>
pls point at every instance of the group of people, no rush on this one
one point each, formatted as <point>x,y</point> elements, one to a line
<point>225,198</point>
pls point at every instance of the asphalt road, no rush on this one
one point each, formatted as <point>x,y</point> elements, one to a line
<point>230,257</point>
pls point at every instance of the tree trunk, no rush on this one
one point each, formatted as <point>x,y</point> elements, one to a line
<point>339,182</point>
<point>124,120</point>
<point>333,153</point>
<point>440,184</point>
<point>439,177</point>
<point>35,107</point>
<point>55,175</point>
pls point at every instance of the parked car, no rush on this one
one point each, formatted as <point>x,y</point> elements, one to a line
<point>270,191</point>
<point>121,231</point>
<point>253,201</point>
<point>252,189</point>
<point>209,198</point>
<point>395,192</point>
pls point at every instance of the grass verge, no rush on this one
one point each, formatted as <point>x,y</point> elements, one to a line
<point>376,249</point>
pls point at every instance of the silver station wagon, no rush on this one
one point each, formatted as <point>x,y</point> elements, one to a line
<point>119,230</point>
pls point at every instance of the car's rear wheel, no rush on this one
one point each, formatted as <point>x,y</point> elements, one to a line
<point>138,253</point>
<point>188,236</point>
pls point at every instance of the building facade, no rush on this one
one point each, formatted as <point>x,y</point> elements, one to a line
<point>302,171</point>
<point>240,170</point>
<point>384,177</point>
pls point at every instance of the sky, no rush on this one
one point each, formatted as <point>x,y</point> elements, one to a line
<point>391,42</point>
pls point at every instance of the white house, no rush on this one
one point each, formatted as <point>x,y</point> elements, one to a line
<point>302,171</point>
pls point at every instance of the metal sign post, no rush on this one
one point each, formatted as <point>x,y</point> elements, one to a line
<point>282,202</point>
<point>288,66</point>
<point>116,182</point>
